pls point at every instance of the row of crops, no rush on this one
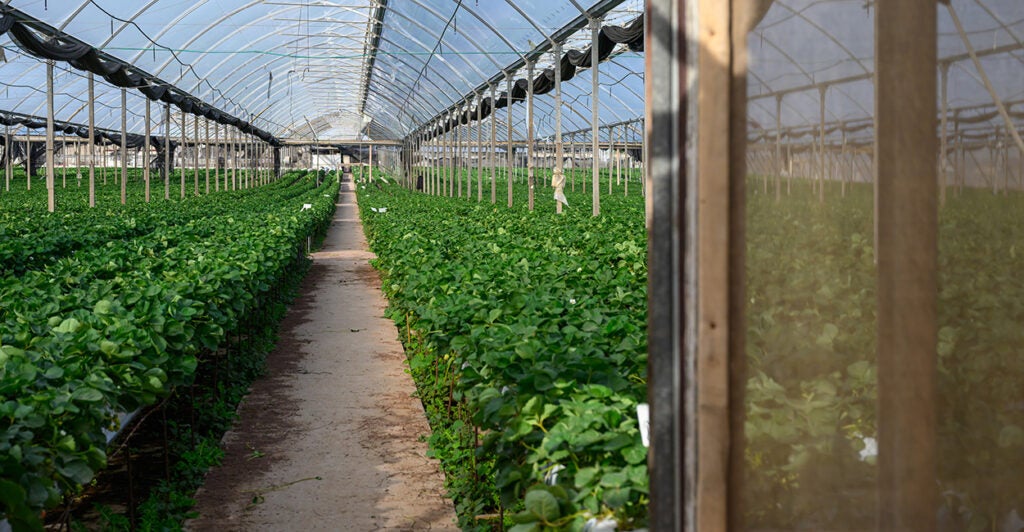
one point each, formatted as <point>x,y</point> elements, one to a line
<point>526,335</point>
<point>104,311</point>
<point>811,394</point>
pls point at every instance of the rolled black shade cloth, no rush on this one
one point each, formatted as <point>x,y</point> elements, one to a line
<point>84,57</point>
<point>632,35</point>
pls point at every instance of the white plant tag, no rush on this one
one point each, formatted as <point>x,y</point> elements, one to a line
<point>643,417</point>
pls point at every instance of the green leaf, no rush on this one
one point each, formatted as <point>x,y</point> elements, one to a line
<point>616,497</point>
<point>103,308</point>
<point>108,347</point>
<point>635,454</point>
<point>542,504</point>
<point>67,326</point>
<point>14,501</point>
<point>614,479</point>
<point>828,335</point>
<point>86,394</point>
<point>78,471</point>
<point>585,476</point>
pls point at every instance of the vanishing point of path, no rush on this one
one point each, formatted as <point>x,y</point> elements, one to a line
<point>329,438</point>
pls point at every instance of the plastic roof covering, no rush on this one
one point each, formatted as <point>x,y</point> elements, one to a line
<point>295,67</point>
<point>801,47</point>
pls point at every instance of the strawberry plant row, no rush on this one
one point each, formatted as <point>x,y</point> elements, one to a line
<point>526,333</point>
<point>112,328</point>
<point>31,238</point>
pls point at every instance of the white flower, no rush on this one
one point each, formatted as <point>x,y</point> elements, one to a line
<point>572,301</point>
<point>870,449</point>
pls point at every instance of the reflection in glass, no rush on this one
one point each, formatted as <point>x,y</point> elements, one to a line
<point>810,399</point>
<point>811,380</point>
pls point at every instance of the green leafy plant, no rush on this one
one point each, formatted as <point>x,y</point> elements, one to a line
<point>112,327</point>
<point>526,333</point>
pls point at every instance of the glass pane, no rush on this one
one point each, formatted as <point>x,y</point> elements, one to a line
<point>810,429</point>
<point>981,338</point>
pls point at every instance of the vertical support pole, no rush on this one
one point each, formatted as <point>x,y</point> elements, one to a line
<point>529,133</point>
<point>28,150</point>
<point>167,151</point>
<point>183,146</point>
<point>64,159</point>
<point>508,154</point>
<point>573,154</point>
<point>494,146</point>
<point>240,146</point>
<point>243,162</point>
<point>453,150</point>
<point>216,164</point>
<point>558,176</point>
<point>251,152</point>
<point>458,152</point>
<point>51,204</point>
<point>444,157</point>
<point>595,27</point>
<point>778,148</point>
<point>467,141</point>
<point>195,155</point>
<point>229,161</point>
<point>371,162</point>
<point>479,149</point>
<point>670,369</point>
<point>124,146</point>
<point>145,152</point>
<point>206,146</point>
<point>821,143</point>
<point>611,162</point>
<point>622,158</point>
<point>843,175</point>
<point>8,170</point>
<point>905,144</point>
<point>78,161</point>
<point>449,159</point>
<point>233,155</point>
<point>617,150</point>
<point>1005,149</point>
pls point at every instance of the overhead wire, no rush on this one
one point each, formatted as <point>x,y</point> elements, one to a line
<point>174,54</point>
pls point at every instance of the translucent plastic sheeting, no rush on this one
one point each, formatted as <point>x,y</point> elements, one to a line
<point>299,69</point>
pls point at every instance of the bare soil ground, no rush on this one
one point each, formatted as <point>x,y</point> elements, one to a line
<point>330,438</point>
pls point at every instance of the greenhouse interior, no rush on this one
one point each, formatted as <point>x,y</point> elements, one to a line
<point>516,265</point>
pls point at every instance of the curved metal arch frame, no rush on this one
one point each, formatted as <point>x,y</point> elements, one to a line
<point>469,40</point>
<point>423,108</point>
<point>277,13</point>
<point>426,63</point>
<point>804,72</point>
<point>404,62</point>
<point>73,97</point>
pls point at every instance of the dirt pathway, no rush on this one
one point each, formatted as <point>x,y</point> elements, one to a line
<point>329,438</point>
